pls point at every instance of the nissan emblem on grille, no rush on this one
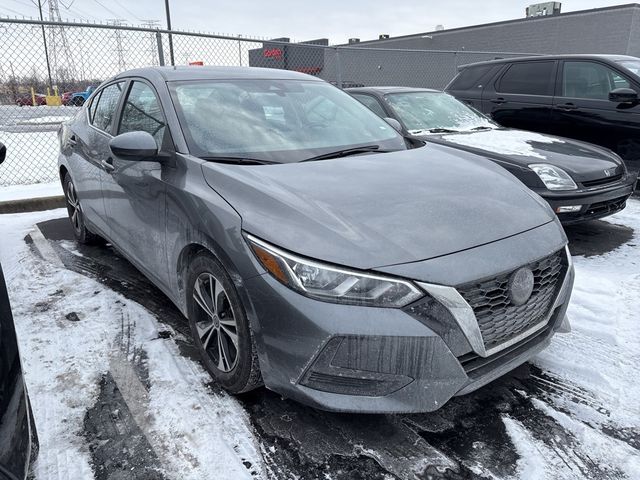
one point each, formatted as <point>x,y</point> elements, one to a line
<point>521,286</point>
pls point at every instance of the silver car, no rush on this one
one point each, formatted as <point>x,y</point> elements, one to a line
<point>309,247</point>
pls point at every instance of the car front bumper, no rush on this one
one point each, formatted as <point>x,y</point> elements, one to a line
<point>385,360</point>
<point>597,202</point>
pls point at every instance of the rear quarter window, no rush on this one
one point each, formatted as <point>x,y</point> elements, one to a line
<point>470,77</point>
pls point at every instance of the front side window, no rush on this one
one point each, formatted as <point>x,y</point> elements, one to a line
<point>142,112</point>
<point>371,103</point>
<point>420,112</point>
<point>590,80</point>
<point>106,108</point>
<point>528,78</point>
<point>275,120</point>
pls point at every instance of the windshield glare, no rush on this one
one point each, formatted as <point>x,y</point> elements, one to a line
<point>424,111</point>
<point>632,65</point>
<point>275,120</point>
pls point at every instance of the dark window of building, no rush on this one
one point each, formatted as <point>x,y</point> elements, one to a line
<point>371,103</point>
<point>106,108</point>
<point>590,80</point>
<point>142,113</point>
<point>470,77</point>
<point>530,78</point>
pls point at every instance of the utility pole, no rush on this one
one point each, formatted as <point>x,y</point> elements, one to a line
<point>153,47</point>
<point>120,51</point>
<point>44,40</point>
<point>166,6</point>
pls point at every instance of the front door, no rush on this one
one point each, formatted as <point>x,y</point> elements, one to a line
<point>135,192</point>
<point>582,108</point>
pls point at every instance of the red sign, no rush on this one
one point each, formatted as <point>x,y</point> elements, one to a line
<point>272,53</point>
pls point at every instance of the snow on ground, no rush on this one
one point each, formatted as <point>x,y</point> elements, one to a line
<point>32,157</point>
<point>506,142</point>
<point>602,353</point>
<point>193,431</point>
<point>36,190</point>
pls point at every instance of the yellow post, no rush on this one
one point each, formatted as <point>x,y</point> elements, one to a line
<point>33,97</point>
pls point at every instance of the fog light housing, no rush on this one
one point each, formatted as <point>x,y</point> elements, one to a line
<point>569,209</point>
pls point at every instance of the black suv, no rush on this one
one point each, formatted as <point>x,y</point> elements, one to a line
<point>588,97</point>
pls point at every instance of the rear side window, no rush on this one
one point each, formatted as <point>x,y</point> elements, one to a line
<point>371,103</point>
<point>528,78</point>
<point>105,110</point>
<point>469,77</point>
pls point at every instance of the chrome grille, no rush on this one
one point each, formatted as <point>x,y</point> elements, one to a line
<point>498,319</point>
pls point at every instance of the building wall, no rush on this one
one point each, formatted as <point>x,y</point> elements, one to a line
<point>605,30</point>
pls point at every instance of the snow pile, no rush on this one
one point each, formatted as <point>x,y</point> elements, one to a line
<point>505,142</point>
<point>22,192</point>
<point>32,157</point>
<point>46,120</point>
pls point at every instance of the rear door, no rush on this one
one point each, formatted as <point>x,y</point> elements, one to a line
<point>134,191</point>
<point>469,84</point>
<point>89,139</point>
<point>522,95</point>
<point>582,108</point>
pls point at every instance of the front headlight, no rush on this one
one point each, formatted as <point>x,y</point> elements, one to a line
<point>333,284</point>
<point>554,178</point>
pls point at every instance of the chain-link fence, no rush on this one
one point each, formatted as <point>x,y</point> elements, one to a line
<point>47,70</point>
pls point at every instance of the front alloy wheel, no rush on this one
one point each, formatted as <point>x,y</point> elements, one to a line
<point>219,325</point>
<point>217,328</point>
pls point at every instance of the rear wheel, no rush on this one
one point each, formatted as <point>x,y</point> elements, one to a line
<point>220,327</point>
<point>74,209</point>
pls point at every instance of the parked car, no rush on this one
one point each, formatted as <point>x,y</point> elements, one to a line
<point>78,98</point>
<point>588,97</point>
<point>27,100</point>
<point>18,437</point>
<point>66,98</point>
<point>579,180</point>
<point>309,249</point>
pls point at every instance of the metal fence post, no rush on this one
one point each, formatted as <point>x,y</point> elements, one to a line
<point>160,49</point>
<point>338,69</point>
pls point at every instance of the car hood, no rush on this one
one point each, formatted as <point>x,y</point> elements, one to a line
<point>380,209</point>
<point>583,161</point>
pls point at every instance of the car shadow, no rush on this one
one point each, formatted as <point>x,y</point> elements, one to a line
<point>597,237</point>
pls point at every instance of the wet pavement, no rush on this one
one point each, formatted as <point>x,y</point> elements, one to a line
<point>466,439</point>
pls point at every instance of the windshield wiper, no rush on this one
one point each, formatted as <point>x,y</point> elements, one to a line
<point>442,130</point>
<point>483,127</point>
<point>238,160</point>
<point>346,152</point>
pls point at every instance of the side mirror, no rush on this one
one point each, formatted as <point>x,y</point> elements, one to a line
<point>3,153</point>
<point>134,146</point>
<point>623,95</point>
<point>394,123</point>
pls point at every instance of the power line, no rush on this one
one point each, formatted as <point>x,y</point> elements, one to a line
<point>127,10</point>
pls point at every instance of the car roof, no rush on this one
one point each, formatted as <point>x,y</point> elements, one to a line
<point>580,56</point>
<point>385,90</point>
<point>195,72</point>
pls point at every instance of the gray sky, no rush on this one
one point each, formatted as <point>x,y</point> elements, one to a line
<point>335,19</point>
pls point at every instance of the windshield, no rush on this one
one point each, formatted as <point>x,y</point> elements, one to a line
<point>275,120</point>
<point>632,65</point>
<point>424,111</point>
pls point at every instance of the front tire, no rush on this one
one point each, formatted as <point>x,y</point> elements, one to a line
<point>220,327</point>
<point>80,231</point>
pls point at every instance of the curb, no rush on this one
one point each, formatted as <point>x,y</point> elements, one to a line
<point>32,204</point>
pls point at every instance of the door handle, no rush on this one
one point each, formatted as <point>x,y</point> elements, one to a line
<point>108,164</point>
<point>498,100</point>
<point>567,107</point>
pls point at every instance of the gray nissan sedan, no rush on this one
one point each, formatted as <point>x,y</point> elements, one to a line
<point>309,248</point>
